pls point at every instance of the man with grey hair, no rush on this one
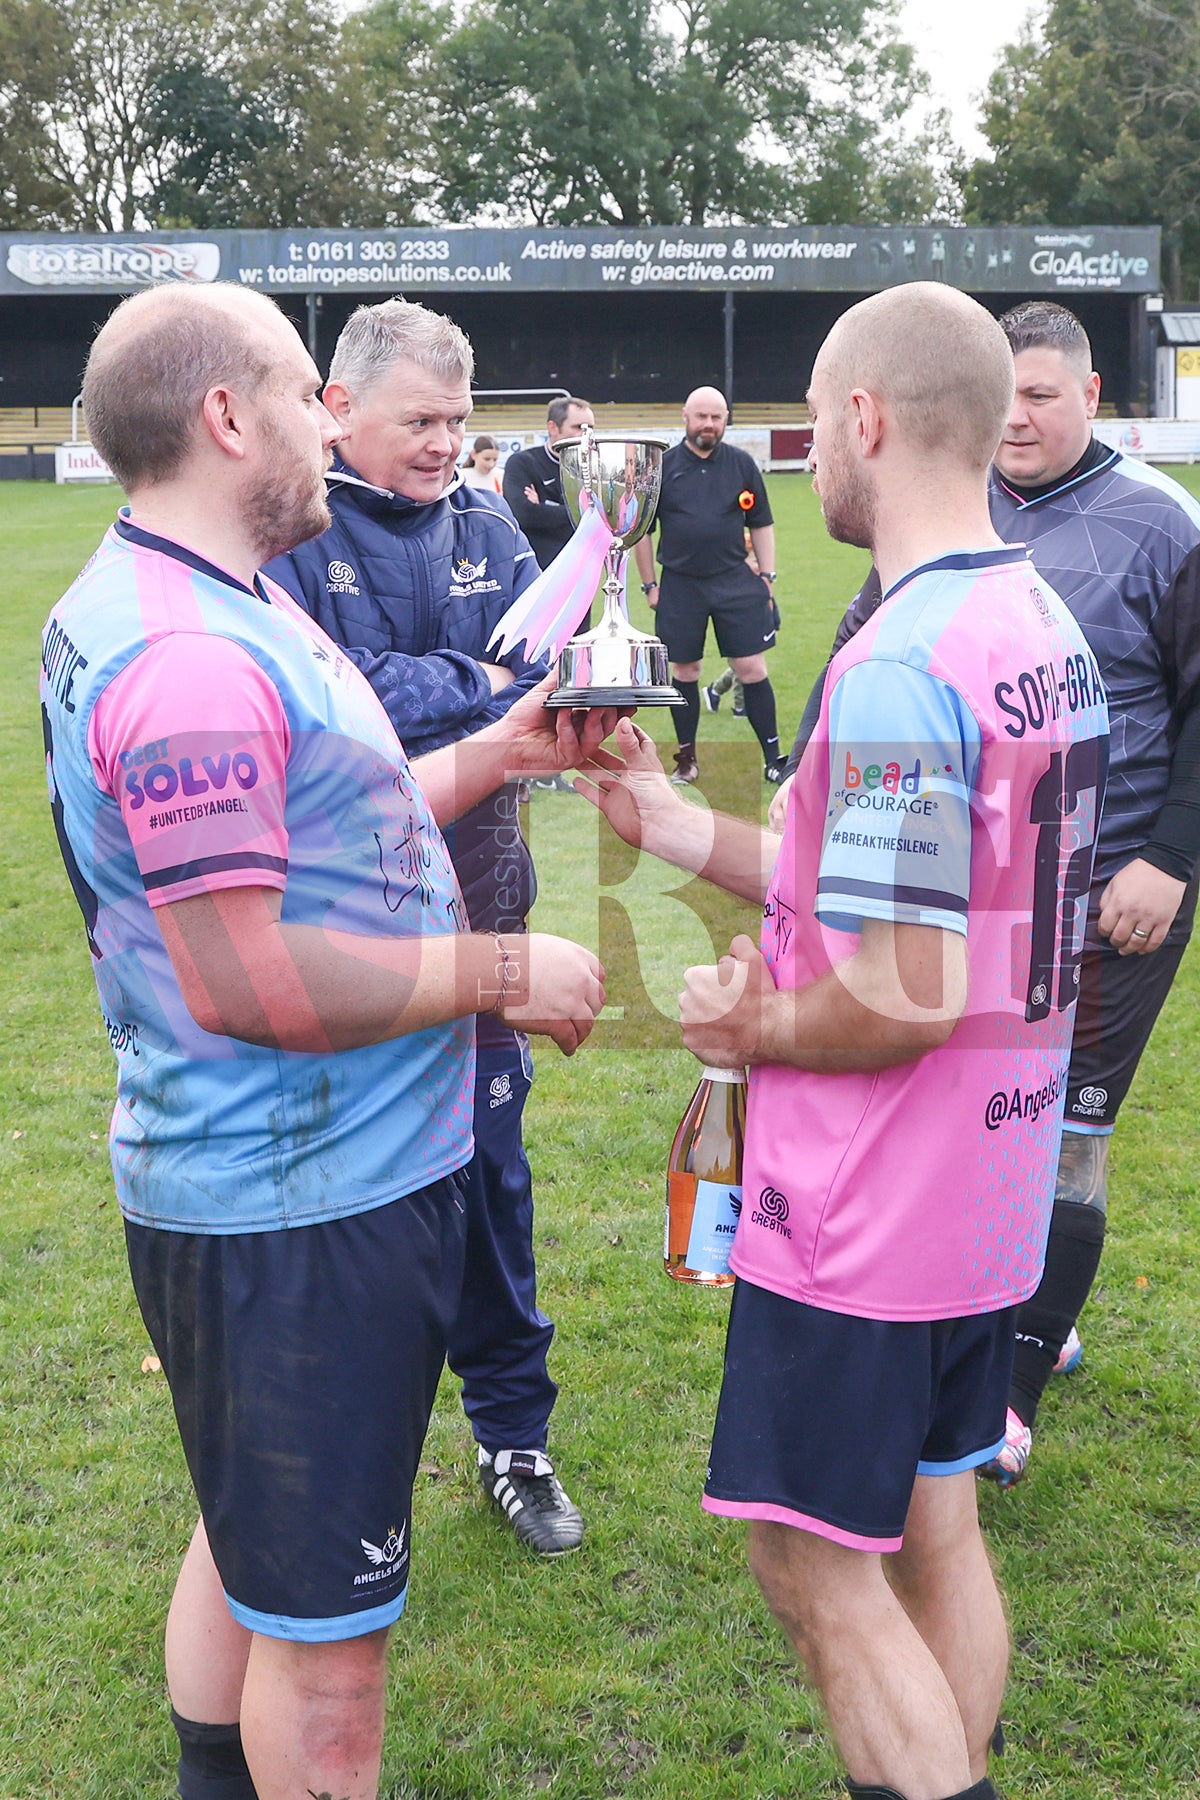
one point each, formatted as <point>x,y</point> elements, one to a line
<point>412,577</point>
<point>533,481</point>
<point>290,983</point>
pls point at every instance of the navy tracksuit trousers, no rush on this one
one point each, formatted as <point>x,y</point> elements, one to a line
<point>500,1340</point>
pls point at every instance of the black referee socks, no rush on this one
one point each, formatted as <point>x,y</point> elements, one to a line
<point>687,716</point>
<point>212,1765</point>
<point>760,710</point>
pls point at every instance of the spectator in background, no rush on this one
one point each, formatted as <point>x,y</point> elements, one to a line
<point>533,485</point>
<point>479,470</point>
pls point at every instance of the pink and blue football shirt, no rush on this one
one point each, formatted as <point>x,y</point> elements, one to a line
<point>200,735</point>
<point>954,780</point>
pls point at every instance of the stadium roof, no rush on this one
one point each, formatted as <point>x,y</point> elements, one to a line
<point>1181,328</point>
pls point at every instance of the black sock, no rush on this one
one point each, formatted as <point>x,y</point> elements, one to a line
<point>760,710</point>
<point>687,716</point>
<point>983,1790</point>
<point>1044,1323</point>
<point>212,1765</point>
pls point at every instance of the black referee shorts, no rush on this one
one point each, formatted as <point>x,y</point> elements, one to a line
<point>737,602</point>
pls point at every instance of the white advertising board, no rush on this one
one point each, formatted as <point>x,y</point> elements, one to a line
<point>80,462</point>
<point>1153,440</point>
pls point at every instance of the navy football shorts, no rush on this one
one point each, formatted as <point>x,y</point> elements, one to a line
<point>302,1366</point>
<point>737,602</point>
<point>826,1420</point>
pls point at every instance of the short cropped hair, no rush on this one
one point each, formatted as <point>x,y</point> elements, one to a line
<point>375,337</point>
<point>150,367</point>
<point>940,361</point>
<point>556,412</point>
<point>1044,325</point>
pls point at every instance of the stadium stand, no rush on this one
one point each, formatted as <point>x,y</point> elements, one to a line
<point>28,436</point>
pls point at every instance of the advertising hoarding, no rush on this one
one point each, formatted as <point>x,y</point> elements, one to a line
<point>417,261</point>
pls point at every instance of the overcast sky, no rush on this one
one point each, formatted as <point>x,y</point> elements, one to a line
<point>959,42</point>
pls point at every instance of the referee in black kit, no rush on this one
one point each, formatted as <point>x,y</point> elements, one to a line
<point>711,493</point>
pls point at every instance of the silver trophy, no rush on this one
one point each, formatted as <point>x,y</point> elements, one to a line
<point>614,665</point>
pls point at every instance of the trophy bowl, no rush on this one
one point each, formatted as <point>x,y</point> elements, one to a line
<point>614,665</point>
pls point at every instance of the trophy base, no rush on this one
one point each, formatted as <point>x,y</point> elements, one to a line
<point>615,696</point>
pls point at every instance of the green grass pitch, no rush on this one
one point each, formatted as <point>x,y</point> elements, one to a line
<point>646,1666</point>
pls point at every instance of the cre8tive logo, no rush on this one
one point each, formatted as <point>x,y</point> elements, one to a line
<point>771,1212</point>
<point>341,579</point>
<point>1091,1100</point>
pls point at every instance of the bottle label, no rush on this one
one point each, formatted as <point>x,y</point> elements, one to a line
<point>714,1222</point>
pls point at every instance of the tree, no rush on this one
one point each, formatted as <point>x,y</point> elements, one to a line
<point>189,112</point>
<point>34,61</point>
<point>1096,118</point>
<point>593,112</point>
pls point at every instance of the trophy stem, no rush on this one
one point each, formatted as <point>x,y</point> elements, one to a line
<point>615,607</point>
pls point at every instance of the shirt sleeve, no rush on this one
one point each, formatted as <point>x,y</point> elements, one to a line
<point>760,513</point>
<point>1174,843</point>
<point>1176,630</point>
<point>192,742</point>
<point>903,759</point>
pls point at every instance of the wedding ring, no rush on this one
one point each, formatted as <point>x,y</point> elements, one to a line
<point>1139,933</point>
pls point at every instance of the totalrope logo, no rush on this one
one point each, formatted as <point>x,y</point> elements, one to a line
<point>1064,240</point>
<point>112,265</point>
<point>385,1556</point>
<point>342,579</point>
